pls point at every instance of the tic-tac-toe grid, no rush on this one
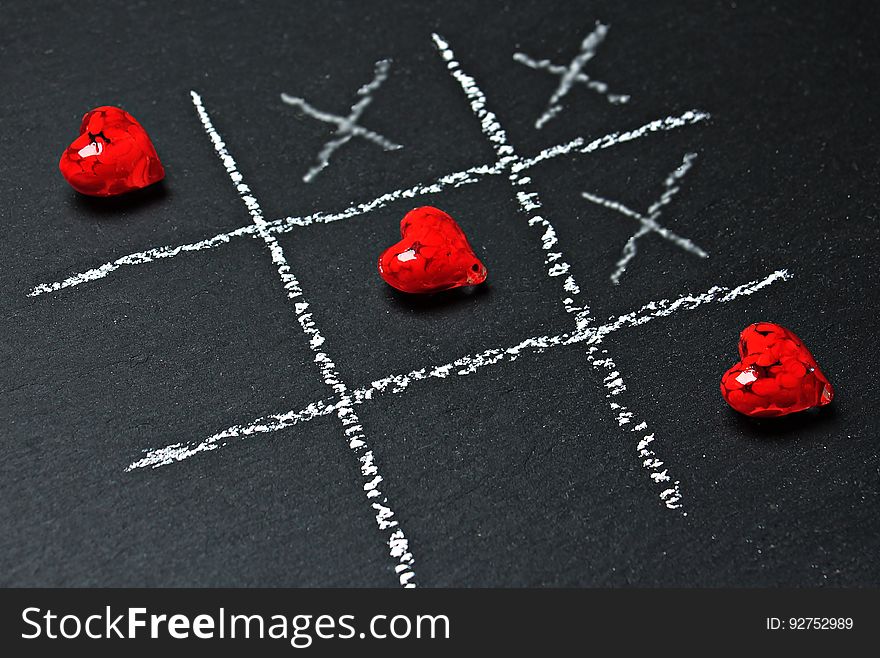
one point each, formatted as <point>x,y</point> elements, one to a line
<point>345,398</point>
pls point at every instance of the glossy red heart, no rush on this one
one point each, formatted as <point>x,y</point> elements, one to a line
<point>776,375</point>
<point>112,155</point>
<point>432,255</point>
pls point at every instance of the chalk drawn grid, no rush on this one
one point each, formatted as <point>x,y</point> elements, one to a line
<point>344,399</point>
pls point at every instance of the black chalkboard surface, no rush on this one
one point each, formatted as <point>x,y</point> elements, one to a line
<point>207,383</point>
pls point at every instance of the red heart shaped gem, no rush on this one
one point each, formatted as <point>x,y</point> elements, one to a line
<point>776,375</point>
<point>433,255</point>
<point>112,155</point>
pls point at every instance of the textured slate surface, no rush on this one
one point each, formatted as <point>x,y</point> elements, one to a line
<point>517,475</point>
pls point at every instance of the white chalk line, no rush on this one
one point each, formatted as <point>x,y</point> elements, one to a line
<point>572,73</point>
<point>140,258</point>
<point>580,145</point>
<point>278,226</point>
<point>649,222</point>
<point>529,201</point>
<point>347,126</point>
<point>397,384</point>
<point>272,423</point>
<point>352,429</point>
<point>613,382</point>
<point>452,180</point>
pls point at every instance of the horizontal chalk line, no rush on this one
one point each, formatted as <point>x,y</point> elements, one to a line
<point>452,180</point>
<point>466,365</point>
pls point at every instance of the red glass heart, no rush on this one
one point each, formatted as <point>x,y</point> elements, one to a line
<point>776,375</point>
<point>433,255</point>
<point>112,155</point>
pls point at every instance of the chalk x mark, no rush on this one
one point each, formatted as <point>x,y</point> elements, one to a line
<point>571,74</point>
<point>648,221</point>
<point>347,127</point>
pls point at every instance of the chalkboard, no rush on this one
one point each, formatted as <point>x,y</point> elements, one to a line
<point>207,383</point>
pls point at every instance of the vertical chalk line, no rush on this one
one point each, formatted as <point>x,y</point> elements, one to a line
<point>557,265</point>
<point>384,515</point>
<point>529,201</point>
